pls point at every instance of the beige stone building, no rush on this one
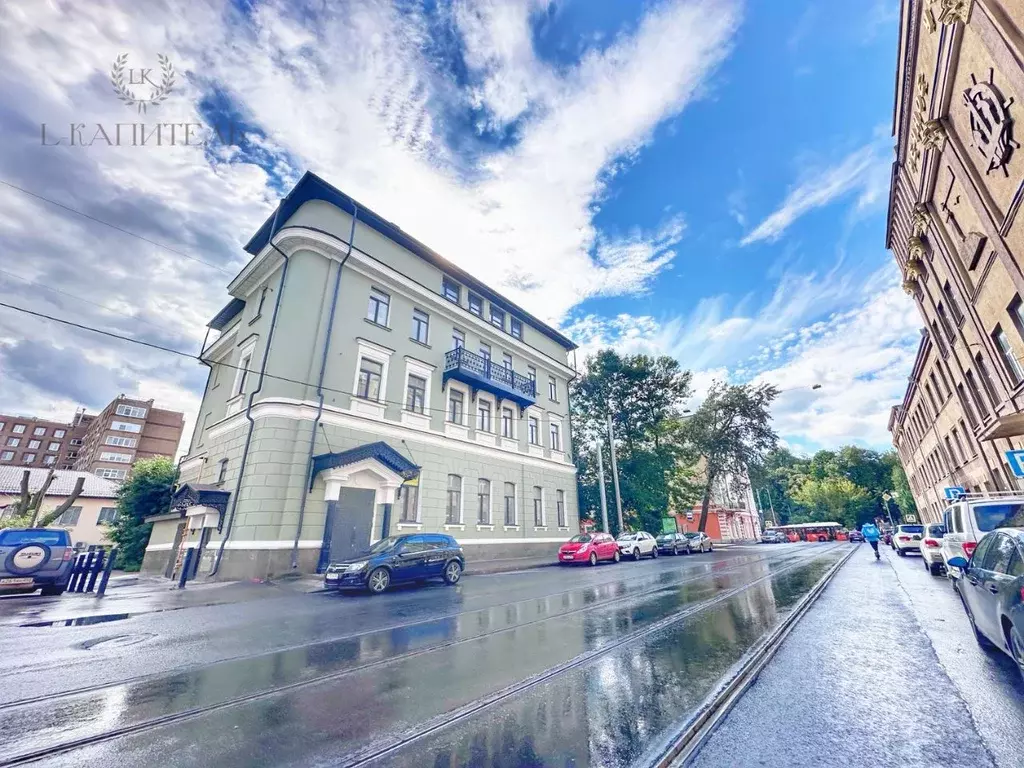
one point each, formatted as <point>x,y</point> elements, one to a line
<point>86,520</point>
<point>957,187</point>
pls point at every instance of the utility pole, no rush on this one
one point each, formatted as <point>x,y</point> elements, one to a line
<point>615,469</point>
<point>600,478</point>
<point>885,498</point>
<point>771,504</point>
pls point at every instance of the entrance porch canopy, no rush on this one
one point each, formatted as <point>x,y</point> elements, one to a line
<point>389,469</point>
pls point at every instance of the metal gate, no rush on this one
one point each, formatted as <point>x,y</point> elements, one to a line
<point>90,566</point>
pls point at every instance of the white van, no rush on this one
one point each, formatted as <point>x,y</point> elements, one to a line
<point>972,516</point>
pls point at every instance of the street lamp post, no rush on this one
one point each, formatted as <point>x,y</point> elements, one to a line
<point>600,478</point>
<point>885,497</point>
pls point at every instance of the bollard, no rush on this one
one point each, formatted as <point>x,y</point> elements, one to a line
<point>102,588</point>
<point>80,584</point>
<point>185,567</point>
<point>94,571</point>
<point>76,572</point>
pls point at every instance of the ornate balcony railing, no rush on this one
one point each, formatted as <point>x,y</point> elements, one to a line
<point>483,373</point>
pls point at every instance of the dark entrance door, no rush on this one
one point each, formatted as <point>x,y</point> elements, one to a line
<point>349,519</point>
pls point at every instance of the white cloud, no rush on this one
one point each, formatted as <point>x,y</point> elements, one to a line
<point>865,169</point>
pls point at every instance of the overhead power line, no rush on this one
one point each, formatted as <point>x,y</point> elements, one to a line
<point>128,232</point>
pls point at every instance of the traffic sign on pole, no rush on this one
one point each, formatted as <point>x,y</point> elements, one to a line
<point>1016,461</point>
<point>953,493</point>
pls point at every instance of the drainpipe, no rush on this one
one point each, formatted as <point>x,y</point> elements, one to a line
<point>252,397</point>
<point>320,388</point>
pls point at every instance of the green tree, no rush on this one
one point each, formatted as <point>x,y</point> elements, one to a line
<point>901,486</point>
<point>27,512</point>
<point>731,432</point>
<point>833,499</point>
<point>147,491</point>
<point>776,478</point>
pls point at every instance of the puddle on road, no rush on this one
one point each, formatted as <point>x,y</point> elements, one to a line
<point>81,621</point>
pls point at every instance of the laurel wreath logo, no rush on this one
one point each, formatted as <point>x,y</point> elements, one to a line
<point>156,97</point>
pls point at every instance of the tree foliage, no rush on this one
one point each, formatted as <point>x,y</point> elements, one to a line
<point>27,512</point>
<point>833,499</point>
<point>147,491</point>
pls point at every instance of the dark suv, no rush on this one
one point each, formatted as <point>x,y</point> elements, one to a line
<point>411,557</point>
<point>31,558</point>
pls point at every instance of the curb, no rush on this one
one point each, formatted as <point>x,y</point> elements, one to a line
<point>684,747</point>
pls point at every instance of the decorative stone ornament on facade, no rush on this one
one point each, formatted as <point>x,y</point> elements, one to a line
<point>933,135</point>
<point>952,11</point>
<point>921,219</point>
<point>916,249</point>
<point>917,124</point>
<point>991,124</point>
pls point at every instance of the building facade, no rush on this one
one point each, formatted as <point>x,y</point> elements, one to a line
<point>362,386</point>
<point>86,520</point>
<point>954,229</point>
<point>732,513</point>
<point>105,444</point>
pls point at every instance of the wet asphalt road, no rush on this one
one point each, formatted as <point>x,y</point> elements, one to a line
<point>882,671</point>
<point>552,667</point>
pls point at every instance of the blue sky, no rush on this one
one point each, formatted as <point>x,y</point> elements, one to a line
<point>700,178</point>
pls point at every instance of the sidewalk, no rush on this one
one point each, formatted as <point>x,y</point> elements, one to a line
<point>856,683</point>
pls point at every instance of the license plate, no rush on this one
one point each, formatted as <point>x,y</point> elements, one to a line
<point>332,577</point>
<point>917,538</point>
<point>16,582</point>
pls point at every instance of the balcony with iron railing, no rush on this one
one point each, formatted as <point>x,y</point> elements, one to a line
<point>483,373</point>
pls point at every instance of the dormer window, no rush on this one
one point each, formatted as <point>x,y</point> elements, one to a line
<point>451,290</point>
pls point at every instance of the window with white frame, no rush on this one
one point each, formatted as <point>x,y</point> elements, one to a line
<point>111,474</point>
<point>556,437</point>
<point>70,516</point>
<point>131,411</point>
<point>106,516</point>
<point>370,377</point>
<point>420,326</point>
<point>415,398</point>
<point>242,371</point>
<point>121,442</point>
<point>483,501</point>
<point>560,508</point>
<point>450,289</point>
<point>483,415</point>
<point>458,339</point>
<point>2,425</point>
<point>7,456</point>
<point>476,305</point>
<point>497,317</point>
<point>56,432</point>
<point>18,429</point>
<point>118,458</point>
<point>377,311</point>
<point>538,505</point>
<point>49,460</point>
<point>410,501</point>
<point>533,424</point>
<point>456,407</point>
<point>453,513</point>
<point>506,360</point>
<point>516,327</point>
<point>13,442</point>
<point>531,374</point>
<point>34,443</point>
<point>123,426</point>
<point>552,389</point>
<point>28,458</point>
<point>485,351</point>
<point>39,431</point>
<point>508,421</point>
<point>510,503</point>
<point>53,447</point>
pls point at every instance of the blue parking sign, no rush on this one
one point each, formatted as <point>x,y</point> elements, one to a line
<point>953,493</point>
<point>1016,461</point>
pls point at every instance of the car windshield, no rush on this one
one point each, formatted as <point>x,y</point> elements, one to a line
<point>581,538</point>
<point>627,536</point>
<point>384,545</point>
<point>912,528</point>
<point>937,531</point>
<point>691,535</point>
<point>50,538</point>
<point>1004,515</point>
<point>664,536</point>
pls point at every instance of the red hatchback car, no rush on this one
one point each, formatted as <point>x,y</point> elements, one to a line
<point>589,548</point>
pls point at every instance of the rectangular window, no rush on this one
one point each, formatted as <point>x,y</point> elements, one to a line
<point>476,305</point>
<point>123,442</point>
<point>119,458</point>
<point>107,515</point>
<point>458,339</point>
<point>131,411</point>
<point>451,290</point>
<point>936,388</point>
<point>453,515</point>
<point>19,429</point>
<point>56,432</point>
<point>1010,362</point>
<point>556,437</point>
<point>415,398</point>
<point>485,352</point>
<point>986,380</point>
<point>34,443</point>
<point>53,447</point>
<point>538,506</point>
<point>2,425</point>
<point>377,311</point>
<point>7,456</point>
<point>510,503</point>
<point>516,327</point>
<point>531,374</point>
<point>111,474</point>
<point>937,338</point>
<point>945,382</point>
<point>13,442</point>
<point>456,407</point>
<point>370,372</point>
<point>243,372</point>
<point>39,431</point>
<point>28,458</point>
<point>534,430</point>
<point>552,389</point>
<point>420,326</point>
<point>968,445</point>
<point>972,387</point>
<point>560,508</point>
<point>947,327</point>
<point>483,416</point>
<point>70,516</point>
<point>497,317</point>
<point>507,420</point>
<point>506,360</point>
<point>931,399</point>
<point>222,472</point>
<point>951,302</point>
<point>967,406</point>
<point>483,502</point>
<point>953,456</point>
<point>410,502</point>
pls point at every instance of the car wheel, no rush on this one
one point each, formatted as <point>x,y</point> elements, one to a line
<point>616,557</point>
<point>983,641</point>
<point>675,551</point>
<point>711,547</point>
<point>54,590</point>
<point>452,572</point>
<point>593,558</point>
<point>935,569</point>
<point>379,581</point>
<point>1017,649</point>
<point>636,553</point>
<point>654,553</point>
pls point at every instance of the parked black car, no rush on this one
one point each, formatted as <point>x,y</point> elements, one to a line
<point>396,559</point>
<point>857,536</point>
<point>990,589</point>
<point>672,543</point>
<point>34,558</point>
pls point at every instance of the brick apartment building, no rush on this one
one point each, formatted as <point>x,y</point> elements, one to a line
<point>105,444</point>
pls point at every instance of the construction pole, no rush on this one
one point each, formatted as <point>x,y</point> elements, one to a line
<point>600,479</point>
<point>615,471</point>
